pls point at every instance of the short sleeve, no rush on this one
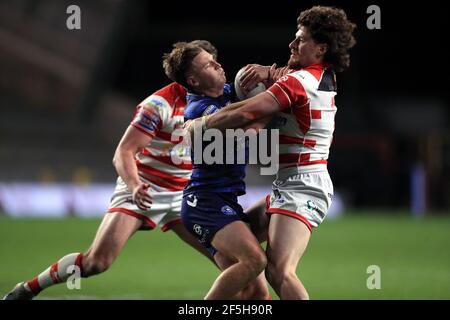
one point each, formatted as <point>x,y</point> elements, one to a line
<point>151,114</point>
<point>288,91</point>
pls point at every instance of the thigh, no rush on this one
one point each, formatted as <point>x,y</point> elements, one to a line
<point>113,233</point>
<point>259,220</point>
<point>287,240</point>
<point>236,241</point>
<point>187,237</point>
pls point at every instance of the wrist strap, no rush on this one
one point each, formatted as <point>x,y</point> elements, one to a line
<point>204,127</point>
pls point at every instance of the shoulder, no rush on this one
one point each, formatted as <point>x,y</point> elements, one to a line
<point>171,93</point>
<point>165,99</point>
<point>198,106</point>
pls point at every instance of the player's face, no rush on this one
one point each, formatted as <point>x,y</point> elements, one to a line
<point>304,50</point>
<point>207,73</point>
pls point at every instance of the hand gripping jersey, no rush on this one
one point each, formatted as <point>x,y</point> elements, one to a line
<point>160,116</point>
<point>306,122</point>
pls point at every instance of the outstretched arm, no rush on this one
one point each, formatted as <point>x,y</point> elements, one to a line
<point>243,114</point>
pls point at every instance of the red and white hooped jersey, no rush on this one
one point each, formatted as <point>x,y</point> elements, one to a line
<point>306,120</point>
<point>158,116</point>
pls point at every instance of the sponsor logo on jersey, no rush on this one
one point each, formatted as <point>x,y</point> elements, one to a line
<point>210,109</point>
<point>156,103</point>
<point>227,210</point>
<point>148,120</point>
<point>191,200</point>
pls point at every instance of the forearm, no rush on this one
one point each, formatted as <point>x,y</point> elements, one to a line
<point>244,114</point>
<point>125,165</point>
<point>230,119</point>
<point>230,107</point>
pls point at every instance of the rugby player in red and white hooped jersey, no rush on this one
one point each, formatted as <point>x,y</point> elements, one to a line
<point>303,104</point>
<point>148,191</point>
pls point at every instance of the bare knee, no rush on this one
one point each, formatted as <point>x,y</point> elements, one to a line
<point>281,278</point>
<point>276,275</point>
<point>95,264</point>
<point>256,261</point>
<point>257,292</point>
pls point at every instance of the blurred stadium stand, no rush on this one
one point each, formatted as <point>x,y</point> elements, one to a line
<point>50,89</point>
<point>67,96</point>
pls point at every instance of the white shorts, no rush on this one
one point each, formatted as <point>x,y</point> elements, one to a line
<point>165,209</point>
<point>304,196</point>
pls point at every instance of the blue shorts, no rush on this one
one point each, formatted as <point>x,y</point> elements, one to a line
<point>205,213</point>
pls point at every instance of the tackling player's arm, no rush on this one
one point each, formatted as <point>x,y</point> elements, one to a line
<point>244,114</point>
<point>125,163</point>
<point>255,73</point>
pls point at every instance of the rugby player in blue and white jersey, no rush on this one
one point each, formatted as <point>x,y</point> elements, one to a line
<point>210,209</point>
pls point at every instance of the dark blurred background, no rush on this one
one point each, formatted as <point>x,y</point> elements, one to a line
<point>67,96</point>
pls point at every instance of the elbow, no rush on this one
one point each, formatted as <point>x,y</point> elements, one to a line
<point>115,160</point>
<point>116,157</point>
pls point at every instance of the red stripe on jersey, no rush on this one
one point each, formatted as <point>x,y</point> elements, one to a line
<point>304,157</point>
<point>316,114</point>
<point>147,223</point>
<point>159,173</point>
<point>161,178</point>
<point>168,137</point>
<point>167,160</point>
<point>170,225</point>
<point>164,184</point>
<point>303,117</point>
<point>34,285</point>
<point>308,163</point>
<point>309,143</point>
<point>54,272</point>
<point>290,140</point>
<point>291,214</point>
<point>333,102</point>
<point>289,158</point>
<point>178,112</point>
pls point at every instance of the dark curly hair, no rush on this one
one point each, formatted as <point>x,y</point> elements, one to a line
<point>178,62</point>
<point>331,26</point>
